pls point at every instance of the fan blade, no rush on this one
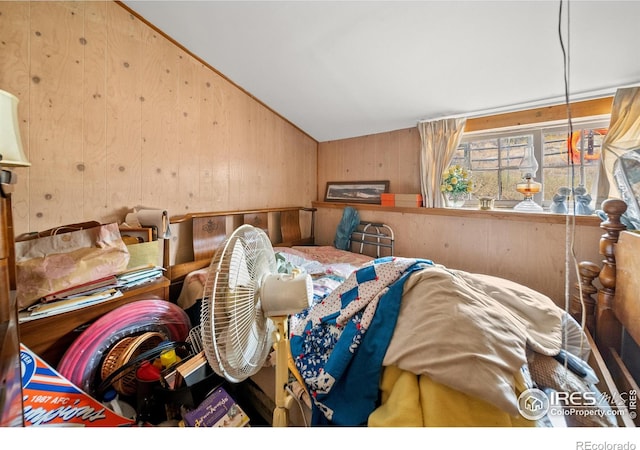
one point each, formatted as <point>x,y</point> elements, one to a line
<point>236,334</point>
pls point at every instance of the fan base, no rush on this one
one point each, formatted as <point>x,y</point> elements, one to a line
<point>280,417</point>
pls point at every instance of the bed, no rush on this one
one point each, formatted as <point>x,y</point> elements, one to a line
<point>427,327</point>
<point>608,301</point>
<point>195,238</point>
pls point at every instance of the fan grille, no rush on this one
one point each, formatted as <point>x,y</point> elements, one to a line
<point>236,334</point>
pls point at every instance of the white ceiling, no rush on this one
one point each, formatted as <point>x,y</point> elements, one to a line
<point>340,69</point>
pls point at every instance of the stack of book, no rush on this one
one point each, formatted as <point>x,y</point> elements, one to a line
<point>187,372</point>
<point>69,303</point>
<point>91,293</point>
<point>137,276</point>
<point>81,290</point>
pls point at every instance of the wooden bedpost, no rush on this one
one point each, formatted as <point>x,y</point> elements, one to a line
<point>608,331</point>
<point>587,271</point>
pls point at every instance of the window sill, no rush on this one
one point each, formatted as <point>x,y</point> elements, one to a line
<point>496,213</point>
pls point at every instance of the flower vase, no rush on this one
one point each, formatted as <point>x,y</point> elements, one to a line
<point>455,199</point>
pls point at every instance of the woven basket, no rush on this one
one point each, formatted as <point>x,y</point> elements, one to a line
<point>109,365</point>
<point>124,352</point>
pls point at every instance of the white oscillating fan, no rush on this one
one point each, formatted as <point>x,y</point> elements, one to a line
<point>245,307</point>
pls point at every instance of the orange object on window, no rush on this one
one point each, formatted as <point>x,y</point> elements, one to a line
<point>573,145</point>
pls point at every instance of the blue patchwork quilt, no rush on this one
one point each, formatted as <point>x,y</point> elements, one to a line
<point>339,343</point>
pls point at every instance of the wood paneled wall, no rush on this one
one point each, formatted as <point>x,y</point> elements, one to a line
<point>115,115</point>
<point>508,245</point>
<point>393,156</point>
<point>530,252</point>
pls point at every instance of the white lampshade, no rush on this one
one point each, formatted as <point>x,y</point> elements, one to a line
<point>11,152</point>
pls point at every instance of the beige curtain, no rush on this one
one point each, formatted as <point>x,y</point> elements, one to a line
<point>440,138</point>
<point>620,170</point>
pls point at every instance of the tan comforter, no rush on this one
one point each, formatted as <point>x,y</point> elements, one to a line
<point>470,332</point>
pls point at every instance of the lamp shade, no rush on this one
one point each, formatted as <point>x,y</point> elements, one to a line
<point>528,165</point>
<point>11,151</point>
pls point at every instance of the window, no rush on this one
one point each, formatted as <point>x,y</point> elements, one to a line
<point>494,158</point>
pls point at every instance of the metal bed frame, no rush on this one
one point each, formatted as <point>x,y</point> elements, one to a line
<point>372,234</point>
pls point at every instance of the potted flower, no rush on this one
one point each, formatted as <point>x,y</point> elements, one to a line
<point>456,185</point>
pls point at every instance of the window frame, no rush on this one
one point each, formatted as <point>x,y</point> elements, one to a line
<point>537,132</point>
<point>545,118</point>
<point>499,134</point>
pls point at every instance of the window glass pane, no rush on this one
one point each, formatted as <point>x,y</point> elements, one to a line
<point>571,161</point>
<point>510,178</point>
<point>554,178</point>
<point>512,150</point>
<point>484,162</point>
<point>555,172</point>
<point>484,155</point>
<point>494,164</point>
<point>485,183</point>
<point>555,149</point>
<point>460,156</point>
<point>592,152</point>
<point>494,158</point>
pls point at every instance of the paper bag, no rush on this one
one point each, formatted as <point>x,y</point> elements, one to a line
<point>52,263</point>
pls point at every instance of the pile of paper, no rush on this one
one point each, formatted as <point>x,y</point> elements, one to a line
<point>87,294</point>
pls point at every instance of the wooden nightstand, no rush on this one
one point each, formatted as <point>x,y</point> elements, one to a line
<point>10,377</point>
<point>49,337</point>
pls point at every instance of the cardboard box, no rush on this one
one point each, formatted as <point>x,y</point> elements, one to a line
<point>387,199</point>
<point>409,200</point>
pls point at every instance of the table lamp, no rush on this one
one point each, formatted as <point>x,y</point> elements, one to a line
<point>11,152</point>
<point>528,186</point>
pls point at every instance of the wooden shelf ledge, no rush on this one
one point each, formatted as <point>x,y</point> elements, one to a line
<point>497,213</point>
